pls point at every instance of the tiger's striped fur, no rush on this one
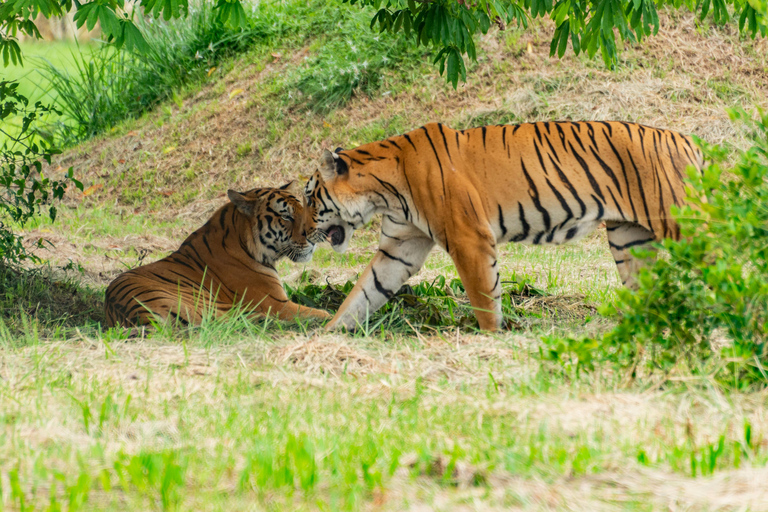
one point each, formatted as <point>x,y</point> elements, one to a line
<point>469,190</point>
<point>227,262</point>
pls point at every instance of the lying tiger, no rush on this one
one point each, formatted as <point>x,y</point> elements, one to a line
<point>226,263</point>
<point>469,190</point>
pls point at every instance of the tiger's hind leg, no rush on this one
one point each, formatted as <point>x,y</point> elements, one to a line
<point>162,304</point>
<point>622,237</point>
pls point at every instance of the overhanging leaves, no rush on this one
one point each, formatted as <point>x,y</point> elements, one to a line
<point>449,26</point>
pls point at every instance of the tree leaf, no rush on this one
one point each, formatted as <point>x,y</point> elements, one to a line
<point>564,39</point>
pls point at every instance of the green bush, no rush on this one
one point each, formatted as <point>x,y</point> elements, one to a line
<point>24,189</point>
<point>350,59</point>
<point>705,302</point>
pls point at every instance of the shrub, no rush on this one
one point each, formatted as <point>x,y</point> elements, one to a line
<point>24,190</point>
<point>713,284</point>
<point>350,59</point>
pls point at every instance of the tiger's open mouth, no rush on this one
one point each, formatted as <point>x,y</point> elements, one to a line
<point>336,235</point>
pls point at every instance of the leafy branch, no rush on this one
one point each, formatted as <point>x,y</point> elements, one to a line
<point>116,21</point>
<point>24,190</point>
<point>449,26</point>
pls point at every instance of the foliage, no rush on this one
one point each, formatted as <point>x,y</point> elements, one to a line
<point>24,190</point>
<point>713,284</point>
<point>349,58</point>
<point>117,23</point>
<point>591,25</point>
<point>108,86</point>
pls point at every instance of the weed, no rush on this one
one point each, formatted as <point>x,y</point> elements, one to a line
<point>441,303</point>
<point>244,149</point>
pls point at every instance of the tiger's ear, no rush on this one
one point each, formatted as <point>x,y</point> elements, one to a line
<point>328,165</point>
<point>245,205</point>
<point>292,187</point>
<point>314,181</point>
<point>332,165</point>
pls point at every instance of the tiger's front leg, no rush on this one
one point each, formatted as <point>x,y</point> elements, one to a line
<point>401,254</point>
<point>292,311</point>
<point>277,304</point>
<point>475,258</point>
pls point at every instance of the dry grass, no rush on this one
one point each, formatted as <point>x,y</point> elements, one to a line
<point>653,490</point>
<point>326,357</point>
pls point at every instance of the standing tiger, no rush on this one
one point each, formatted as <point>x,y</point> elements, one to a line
<point>468,190</point>
<point>227,262</point>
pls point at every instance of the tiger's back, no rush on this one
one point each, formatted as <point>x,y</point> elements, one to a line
<point>173,287</point>
<point>570,176</point>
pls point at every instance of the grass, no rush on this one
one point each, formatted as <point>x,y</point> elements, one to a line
<point>43,303</point>
<point>404,414</point>
<point>35,54</point>
<point>401,413</point>
<point>206,422</point>
<point>96,90</point>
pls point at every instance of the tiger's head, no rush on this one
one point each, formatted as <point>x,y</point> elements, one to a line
<point>337,204</point>
<point>278,223</point>
<point>327,222</point>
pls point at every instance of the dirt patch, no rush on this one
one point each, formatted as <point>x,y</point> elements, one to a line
<point>102,258</point>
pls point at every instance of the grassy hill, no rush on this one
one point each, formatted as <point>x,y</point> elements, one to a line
<point>240,416</point>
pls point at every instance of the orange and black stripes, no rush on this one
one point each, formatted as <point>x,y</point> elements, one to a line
<point>466,190</point>
<point>227,262</point>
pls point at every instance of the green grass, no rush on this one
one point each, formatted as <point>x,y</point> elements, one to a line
<point>408,410</point>
<point>35,54</point>
<point>206,422</point>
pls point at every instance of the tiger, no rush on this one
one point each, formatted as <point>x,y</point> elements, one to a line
<point>227,262</point>
<point>469,190</point>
